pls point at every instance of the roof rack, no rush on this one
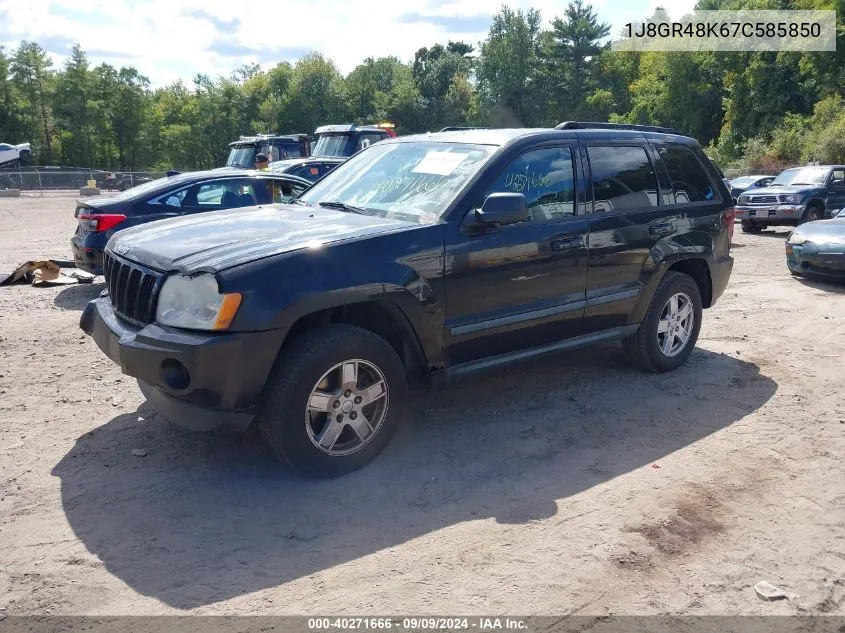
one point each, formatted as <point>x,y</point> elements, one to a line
<point>586,125</point>
<point>460,129</point>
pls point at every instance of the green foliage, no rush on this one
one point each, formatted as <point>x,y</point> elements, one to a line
<point>759,111</point>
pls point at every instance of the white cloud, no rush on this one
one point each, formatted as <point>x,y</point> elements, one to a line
<point>170,39</point>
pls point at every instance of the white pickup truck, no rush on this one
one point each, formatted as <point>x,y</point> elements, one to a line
<point>14,155</point>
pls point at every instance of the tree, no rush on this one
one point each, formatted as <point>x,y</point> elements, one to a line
<point>571,54</point>
<point>12,127</point>
<point>508,70</point>
<point>31,72</point>
<point>73,93</point>
<point>317,94</point>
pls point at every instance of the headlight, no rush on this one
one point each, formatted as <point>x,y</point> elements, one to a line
<point>742,200</point>
<point>796,239</point>
<point>791,199</point>
<point>196,303</point>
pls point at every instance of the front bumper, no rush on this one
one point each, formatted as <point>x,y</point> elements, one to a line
<point>816,259</point>
<point>771,213</point>
<point>198,380</point>
<point>720,274</point>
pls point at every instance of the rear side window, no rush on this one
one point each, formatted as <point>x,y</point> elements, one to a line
<point>689,180</point>
<point>310,172</point>
<point>546,178</point>
<point>623,178</point>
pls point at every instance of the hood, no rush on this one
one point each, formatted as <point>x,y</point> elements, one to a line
<point>218,240</point>
<point>830,231</point>
<point>780,190</point>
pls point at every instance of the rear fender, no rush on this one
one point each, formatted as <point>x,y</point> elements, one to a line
<point>694,245</point>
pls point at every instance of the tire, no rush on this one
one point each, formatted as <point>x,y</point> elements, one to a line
<point>812,213</point>
<point>643,348</point>
<point>750,227</point>
<point>293,431</point>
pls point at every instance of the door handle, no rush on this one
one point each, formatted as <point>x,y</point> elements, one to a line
<point>569,243</point>
<point>662,228</point>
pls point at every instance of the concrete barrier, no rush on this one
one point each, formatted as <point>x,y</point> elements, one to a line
<point>10,193</point>
<point>89,191</point>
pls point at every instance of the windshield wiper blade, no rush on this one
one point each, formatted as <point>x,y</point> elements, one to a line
<point>342,206</point>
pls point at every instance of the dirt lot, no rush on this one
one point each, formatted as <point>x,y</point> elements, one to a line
<point>571,485</point>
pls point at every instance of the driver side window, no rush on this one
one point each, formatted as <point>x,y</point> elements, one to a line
<point>546,178</point>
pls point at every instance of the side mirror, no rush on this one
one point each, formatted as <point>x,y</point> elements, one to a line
<point>500,208</point>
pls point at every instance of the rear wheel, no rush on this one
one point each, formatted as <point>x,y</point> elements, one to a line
<point>669,331</point>
<point>333,401</point>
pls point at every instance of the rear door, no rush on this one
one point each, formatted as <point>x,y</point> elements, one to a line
<point>626,222</point>
<point>644,197</point>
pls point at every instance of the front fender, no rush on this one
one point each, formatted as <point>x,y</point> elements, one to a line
<point>407,273</point>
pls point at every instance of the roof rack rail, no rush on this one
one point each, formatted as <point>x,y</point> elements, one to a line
<point>586,125</point>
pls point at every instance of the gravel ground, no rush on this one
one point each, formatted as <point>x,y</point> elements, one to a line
<point>574,484</point>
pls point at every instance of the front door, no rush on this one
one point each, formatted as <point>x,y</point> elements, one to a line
<point>521,285</point>
<point>835,191</point>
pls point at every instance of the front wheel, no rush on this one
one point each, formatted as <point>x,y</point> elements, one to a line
<point>669,331</point>
<point>333,401</point>
<point>812,214</point>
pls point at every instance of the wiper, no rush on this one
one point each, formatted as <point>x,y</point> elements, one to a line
<point>793,184</point>
<point>337,204</point>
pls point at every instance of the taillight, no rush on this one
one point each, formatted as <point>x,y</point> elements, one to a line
<point>730,218</point>
<point>99,222</point>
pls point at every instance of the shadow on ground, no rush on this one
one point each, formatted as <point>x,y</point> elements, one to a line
<point>204,518</point>
<point>820,283</point>
<point>77,297</point>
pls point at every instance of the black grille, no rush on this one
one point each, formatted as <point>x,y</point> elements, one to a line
<point>762,199</point>
<point>133,289</point>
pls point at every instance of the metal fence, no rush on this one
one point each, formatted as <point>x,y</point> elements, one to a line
<point>58,178</point>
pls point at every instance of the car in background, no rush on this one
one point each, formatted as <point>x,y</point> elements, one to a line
<point>183,194</point>
<point>312,168</point>
<point>345,140</point>
<point>15,155</point>
<point>747,183</point>
<point>242,152</point>
<point>795,196</point>
<point>818,248</point>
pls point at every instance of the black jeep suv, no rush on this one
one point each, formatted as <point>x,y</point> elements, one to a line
<point>421,257</point>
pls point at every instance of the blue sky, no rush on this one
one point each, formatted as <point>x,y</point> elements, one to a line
<point>172,39</point>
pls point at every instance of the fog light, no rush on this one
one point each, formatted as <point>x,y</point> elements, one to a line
<point>174,374</point>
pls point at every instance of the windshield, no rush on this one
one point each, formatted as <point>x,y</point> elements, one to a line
<point>802,175</point>
<point>415,182</point>
<point>744,180</point>
<point>331,145</point>
<point>242,157</point>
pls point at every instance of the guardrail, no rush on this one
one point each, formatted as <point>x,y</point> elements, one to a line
<point>57,178</point>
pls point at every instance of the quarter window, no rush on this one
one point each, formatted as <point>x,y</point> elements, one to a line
<point>689,181</point>
<point>623,178</point>
<point>546,178</point>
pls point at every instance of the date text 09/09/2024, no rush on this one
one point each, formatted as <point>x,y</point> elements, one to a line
<point>418,624</point>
